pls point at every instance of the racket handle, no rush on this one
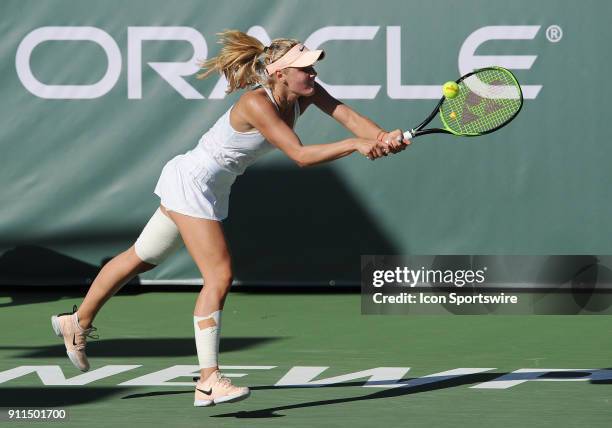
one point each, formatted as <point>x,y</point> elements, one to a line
<point>408,135</point>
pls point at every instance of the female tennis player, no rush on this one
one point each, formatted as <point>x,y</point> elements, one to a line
<point>194,188</point>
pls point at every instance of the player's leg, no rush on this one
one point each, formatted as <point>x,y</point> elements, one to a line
<point>157,241</point>
<point>113,275</point>
<point>207,245</point>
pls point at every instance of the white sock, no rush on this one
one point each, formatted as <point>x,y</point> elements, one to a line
<point>207,338</point>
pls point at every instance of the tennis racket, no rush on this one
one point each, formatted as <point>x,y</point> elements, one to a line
<point>488,99</point>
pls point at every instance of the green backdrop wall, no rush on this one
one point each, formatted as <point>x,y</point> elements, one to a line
<point>97,96</point>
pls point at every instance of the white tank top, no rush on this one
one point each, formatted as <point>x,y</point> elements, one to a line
<point>225,152</point>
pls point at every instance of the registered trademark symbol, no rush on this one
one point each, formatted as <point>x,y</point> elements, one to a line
<point>554,33</point>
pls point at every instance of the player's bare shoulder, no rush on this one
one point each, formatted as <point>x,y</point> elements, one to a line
<point>249,108</point>
<point>254,102</point>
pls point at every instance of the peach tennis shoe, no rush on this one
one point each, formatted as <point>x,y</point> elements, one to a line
<point>66,325</point>
<point>218,389</point>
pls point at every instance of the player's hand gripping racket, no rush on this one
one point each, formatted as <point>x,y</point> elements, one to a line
<point>488,99</point>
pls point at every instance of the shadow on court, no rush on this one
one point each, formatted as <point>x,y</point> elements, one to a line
<point>602,377</point>
<point>56,396</point>
<point>59,396</point>
<point>432,384</point>
<point>136,347</point>
<point>413,386</point>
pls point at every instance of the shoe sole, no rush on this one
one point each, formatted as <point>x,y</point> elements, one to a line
<point>55,323</point>
<point>229,399</point>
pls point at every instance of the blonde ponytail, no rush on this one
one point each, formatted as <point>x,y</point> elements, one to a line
<point>243,59</point>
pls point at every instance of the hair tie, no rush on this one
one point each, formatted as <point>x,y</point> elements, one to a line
<point>266,49</point>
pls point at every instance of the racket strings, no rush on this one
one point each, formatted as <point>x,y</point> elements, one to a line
<point>486,100</point>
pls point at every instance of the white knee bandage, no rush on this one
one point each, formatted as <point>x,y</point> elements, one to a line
<point>159,239</point>
<point>207,331</point>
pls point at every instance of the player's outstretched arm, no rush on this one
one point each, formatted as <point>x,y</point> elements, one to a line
<point>361,126</point>
<point>264,117</point>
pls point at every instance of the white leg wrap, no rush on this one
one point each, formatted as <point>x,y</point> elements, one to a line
<point>207,331</point>
<point>158,240</point>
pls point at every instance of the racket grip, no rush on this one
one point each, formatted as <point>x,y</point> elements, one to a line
<point>408,135</point>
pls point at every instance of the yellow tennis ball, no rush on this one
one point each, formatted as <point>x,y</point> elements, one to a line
<point>450,89</point>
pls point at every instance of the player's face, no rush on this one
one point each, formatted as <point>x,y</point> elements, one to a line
<point>301,80</point>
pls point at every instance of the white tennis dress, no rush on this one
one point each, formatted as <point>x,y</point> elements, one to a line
<point>198,183</point>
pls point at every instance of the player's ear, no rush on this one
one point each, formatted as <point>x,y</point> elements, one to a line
<point>281,75</point>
